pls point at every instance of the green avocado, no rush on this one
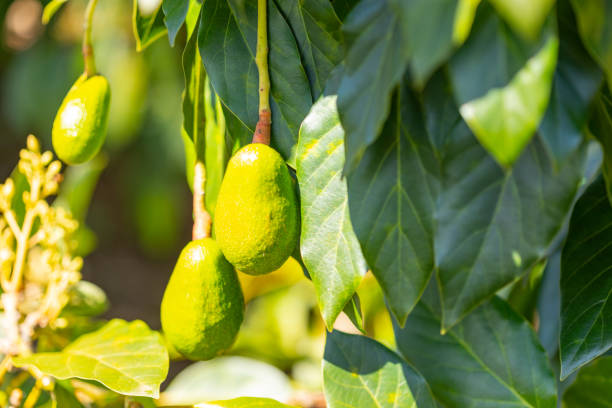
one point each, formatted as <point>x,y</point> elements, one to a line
<point>257,216</point>
<point>79,128</point>
<point>203,305</point>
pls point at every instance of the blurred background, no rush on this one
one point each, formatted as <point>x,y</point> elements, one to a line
<point>134,198</point>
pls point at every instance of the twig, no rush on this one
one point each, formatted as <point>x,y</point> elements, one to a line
<point>88,53</point>
<point>262,130</point>
<point>201,218</point>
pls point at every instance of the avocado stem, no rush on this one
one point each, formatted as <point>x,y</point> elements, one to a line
<point>262,131</point>
<point>201,218</point>
<point>88,53</point>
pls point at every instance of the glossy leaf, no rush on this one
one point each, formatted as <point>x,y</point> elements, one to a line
<point>175,12</point>
<point>593,386</point>
<point>147,28</point>
<point>50,9</point>
<point>491,359</point>
<point>244,402</point>
<point>586,282</point>
<point>505,119</point>
<point>595,26</point>
<point>316,28</point>
<point>226,378</point>
<point>328,244</point>
<point>576,80</point>
<point>128,358</point>
<point>525,16</point>
<point>427,166</point>
<point>601,127</point>
<point>384,37</point>
<point>360,372</point>
<point>227,44</point>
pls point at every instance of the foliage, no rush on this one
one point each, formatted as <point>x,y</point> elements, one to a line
<point>460,150</point>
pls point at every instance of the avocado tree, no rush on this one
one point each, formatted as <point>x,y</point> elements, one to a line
<point>460,150</point>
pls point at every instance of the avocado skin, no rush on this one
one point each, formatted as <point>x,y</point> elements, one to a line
<point>79,128</point>
<point>203,306</point>
<point>257,216</point>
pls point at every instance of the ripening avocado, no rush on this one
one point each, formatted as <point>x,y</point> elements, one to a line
<point>79,128</point>
<point>203,305</point>
<point>257,216</point>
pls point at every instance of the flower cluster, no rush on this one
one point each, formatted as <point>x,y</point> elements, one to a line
<point>37,266</point>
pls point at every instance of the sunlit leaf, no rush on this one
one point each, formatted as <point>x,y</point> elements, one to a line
<point>245,402</point>
<point>50,9</point>
<point>362,373</point>
<point>328,244</point>
<point>525,16</point>
<point>128,358</point>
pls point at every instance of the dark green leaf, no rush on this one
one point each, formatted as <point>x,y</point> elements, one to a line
<point>601,127</point>
<point>384,36</point>
<point>353,311</point>
<point>227,44</point>
<point>147,28</point>
<point>491,359</point>
<point>176,12</point>
<point>343,7</point>
<point>50,9</point>
<point>328,244</point>
<point>360,372</point>
<point>128,358</point>
<point>586,282</point>
<point>549,305</point>
<point>317,31</point>
<point>485,219</point>
<point>595,25</point>
<point>593,386</point>
<point>525,16</point>
<point>575,83</point>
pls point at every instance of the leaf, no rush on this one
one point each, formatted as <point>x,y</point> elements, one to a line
<point>586,282</point>
<point>226,378</point>
<point>464,18</point>
<point>128,358</point>
<point>491,359</point>
<point>147,28</point>
<point>353,311</point>
<point>360,372</point>
<point>549,305</point>
<point>227,44</point>
<point>505,119</point>
<point>593,386</point>
<point>576,80</point>
<point>50,9</point>
<point>245,402</point>
<point>594,23</point>
<point>441,202</point>
<point>86,299</point>
<point>601,127</point>
<point>175,12</point>
<point>316,28</point>
<point>383,37</point>
<point>525,16</point>
<point>328,244</point>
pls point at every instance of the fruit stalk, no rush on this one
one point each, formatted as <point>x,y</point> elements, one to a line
<point>88,53</point>
<point>262,131</point>
<point>201,217</point>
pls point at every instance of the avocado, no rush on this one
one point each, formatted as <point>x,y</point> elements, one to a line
<point>203,306</point>
<point>257,215</point>
<point>79,128</point>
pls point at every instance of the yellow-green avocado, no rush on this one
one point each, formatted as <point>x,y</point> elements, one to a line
<point>79,128</point>
<point>257,216</point>
<point>203,306</point>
